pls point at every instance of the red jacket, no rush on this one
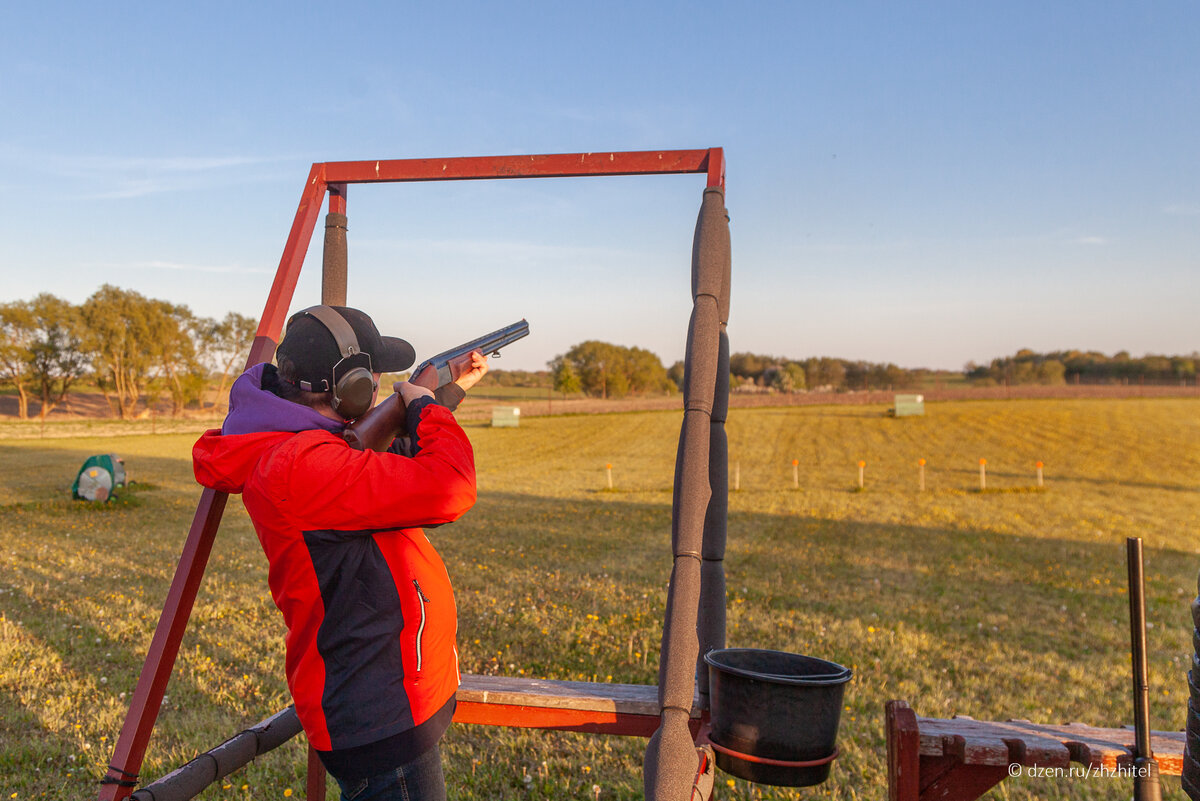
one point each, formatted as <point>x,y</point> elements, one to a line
<point>371,661</point>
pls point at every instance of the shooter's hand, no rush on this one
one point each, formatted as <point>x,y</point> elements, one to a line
<point>409,391</point>
<point>467,370</point>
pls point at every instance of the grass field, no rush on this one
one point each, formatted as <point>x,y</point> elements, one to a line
<point>1005,603</point>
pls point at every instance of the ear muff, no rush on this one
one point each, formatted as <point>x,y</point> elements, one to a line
<point>353,383</point>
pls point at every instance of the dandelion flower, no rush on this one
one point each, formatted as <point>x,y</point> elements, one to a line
<point>287,793</point>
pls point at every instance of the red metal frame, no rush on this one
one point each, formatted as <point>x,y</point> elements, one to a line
<point>333,178</point>
<point>540,717</point>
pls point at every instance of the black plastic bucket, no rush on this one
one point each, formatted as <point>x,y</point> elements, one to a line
<point>775,715</point>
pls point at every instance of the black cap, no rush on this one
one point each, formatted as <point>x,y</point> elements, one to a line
<point>313,349</point>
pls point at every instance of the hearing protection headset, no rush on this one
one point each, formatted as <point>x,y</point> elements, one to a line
<point>353,383</point>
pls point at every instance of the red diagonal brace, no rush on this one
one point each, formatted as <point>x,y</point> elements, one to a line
<point>147,696</point>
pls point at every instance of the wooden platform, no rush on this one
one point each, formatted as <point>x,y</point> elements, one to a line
<point>960,758</point>
<point>630,709</point>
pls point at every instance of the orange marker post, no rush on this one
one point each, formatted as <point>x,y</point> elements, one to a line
<point>796,473</point>
<point>1038,465</point>
<point>861,471</point>
<point>982,474</point>
<point>608,469</point>
<point>921,474</point>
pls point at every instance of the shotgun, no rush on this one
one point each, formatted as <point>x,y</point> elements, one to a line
<point>376,429</point>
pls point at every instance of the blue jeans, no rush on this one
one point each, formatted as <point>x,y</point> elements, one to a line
<point>419,780</point>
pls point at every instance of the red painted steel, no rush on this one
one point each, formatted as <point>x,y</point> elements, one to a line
<point>337,198</point>
<point>560,165</point>
<point>716,167</point>
<point>540,717</point>
<point>294,250</point>
<point>314,785</point>
<point>164,647</point>
<point>332,177</point>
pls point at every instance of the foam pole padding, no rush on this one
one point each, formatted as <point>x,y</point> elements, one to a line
<point>195,776</point>
<point>676,689</point>
<point>691,490</point>
<point>711,249</point>
<point>713,261</point>
<point>711,625</point>
<point>334,261</point>
<point>671,761</point>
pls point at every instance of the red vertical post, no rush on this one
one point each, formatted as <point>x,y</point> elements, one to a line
<point>716,167</point>
<point>337,198</point>
<point>314,789</point>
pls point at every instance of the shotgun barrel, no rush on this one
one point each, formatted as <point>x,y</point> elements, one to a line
<point>487,344</point>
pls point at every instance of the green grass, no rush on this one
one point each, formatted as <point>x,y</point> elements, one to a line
<point>997,604</point>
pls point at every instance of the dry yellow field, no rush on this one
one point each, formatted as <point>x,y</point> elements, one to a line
<point>1003,603</point>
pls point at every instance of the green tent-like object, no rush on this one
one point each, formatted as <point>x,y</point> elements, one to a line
<point>98,477</point>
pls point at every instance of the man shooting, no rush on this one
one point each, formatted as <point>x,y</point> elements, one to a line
<point>370,614</point>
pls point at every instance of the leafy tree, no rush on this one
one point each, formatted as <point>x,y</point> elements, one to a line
<point>750,365</point>
<point>17,337</point>
<point>566,380</point>
<point>677,371</point>
<point>825,372</point>
<point>174,331</point>
<point>1052,372</point>
<point>57,356</point>
<point>224,345</point>
<point>607,370</point>
<point>795,376</point>
<point>121,326</point>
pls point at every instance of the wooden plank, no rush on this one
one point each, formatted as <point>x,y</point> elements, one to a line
<point>903,752</point>
<point>623,699</point>
<point>964,782</point>
<point>1041,745</point>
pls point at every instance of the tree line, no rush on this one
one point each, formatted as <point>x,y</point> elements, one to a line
<point>1083,367</point>
<point>134,349</point>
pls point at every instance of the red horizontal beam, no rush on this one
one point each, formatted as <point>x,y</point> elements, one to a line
<point>542,717</point>
<point>560,165</point>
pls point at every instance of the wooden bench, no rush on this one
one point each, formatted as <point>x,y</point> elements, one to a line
<point>961,758</point>
<point>630,709</point>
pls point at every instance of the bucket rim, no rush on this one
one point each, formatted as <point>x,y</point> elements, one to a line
<point>838,675</point>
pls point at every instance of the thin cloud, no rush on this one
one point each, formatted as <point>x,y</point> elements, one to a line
<point>496,251</point>
<point>119,177</point>
<point>1182,209</point>
<point>177,267</point>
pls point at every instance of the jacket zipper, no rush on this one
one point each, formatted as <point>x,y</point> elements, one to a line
<point>420,629</point>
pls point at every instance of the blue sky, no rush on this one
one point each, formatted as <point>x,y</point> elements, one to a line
<point>920,183</point>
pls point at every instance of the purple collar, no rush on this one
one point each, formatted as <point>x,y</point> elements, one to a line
<point>253,409</point>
